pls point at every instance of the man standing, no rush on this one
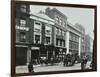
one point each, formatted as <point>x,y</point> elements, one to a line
<point>84,62</point>
<point>30,67</point>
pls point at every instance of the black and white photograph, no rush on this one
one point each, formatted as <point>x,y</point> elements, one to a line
<point>53,37</point>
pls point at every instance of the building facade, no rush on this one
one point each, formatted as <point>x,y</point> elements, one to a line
<point>44,34</point>
<point>82,30</point>
<point>88,46</point>
<point>60,28</point>
<point>22,33</point>
<point>73,40</point>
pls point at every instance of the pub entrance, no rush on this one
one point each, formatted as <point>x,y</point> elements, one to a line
<point>35,55</point>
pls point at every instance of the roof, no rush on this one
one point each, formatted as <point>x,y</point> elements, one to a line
<point>72,27</point>
<point>44,16</point>
<point>60,12</point>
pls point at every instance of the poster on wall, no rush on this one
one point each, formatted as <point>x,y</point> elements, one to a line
<point>52,38</point>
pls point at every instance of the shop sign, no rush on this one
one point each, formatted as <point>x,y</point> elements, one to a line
<point>22,28</point>
<point>35,48</point>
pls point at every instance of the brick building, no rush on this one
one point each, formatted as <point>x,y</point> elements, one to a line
<point>42,37</point>
<point>22,33</point>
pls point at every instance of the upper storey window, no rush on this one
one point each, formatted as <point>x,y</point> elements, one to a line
<point>56,19</point>
<point>22,22</point>
<point>37,26</point>
<point>23,8</point>
<point>48,30</point>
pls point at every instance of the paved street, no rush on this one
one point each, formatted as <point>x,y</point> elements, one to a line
<point>56,67</point>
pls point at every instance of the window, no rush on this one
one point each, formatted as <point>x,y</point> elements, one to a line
<point>73,37</point>
<point>64,24</point>
<point>70,44</point>
<point>22,37</point>
<point>23,8</point>
<point>59,31</point>
<point>48,30</point>
<point>57,19</point>
<point>37,27</point>
<point>60,42</point>
<point>60,21</point>
<point>22,22</point>
<point>63,33</point>
<point>57,42</point>
<point>70,37</point>
<point>63,43</point>
<point>56,30</point>
<point>47,40</point>
<point>37,39</point>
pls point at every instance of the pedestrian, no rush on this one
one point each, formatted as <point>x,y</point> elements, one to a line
<point>83,62</point>
<point>30,67</point>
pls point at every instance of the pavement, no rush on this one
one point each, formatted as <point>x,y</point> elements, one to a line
<point>56,67</point>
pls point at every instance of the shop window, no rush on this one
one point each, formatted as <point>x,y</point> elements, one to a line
<point>22,22</point>
<point>23,37</point>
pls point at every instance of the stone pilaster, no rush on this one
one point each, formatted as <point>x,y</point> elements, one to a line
<point>67,41</point>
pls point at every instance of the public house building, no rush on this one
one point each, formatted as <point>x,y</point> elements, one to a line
<point>47,33</point>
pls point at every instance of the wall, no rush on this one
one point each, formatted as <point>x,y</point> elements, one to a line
<point>5,40</point>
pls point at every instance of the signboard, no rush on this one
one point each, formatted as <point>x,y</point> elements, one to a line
<point>22,28</point>
<point>35,48</point>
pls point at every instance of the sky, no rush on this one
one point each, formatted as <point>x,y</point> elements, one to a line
<point>83,16</point>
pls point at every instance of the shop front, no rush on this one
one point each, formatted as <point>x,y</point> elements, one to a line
<point>60,53</point>
<point>35,53</point>
<point>21,55</point>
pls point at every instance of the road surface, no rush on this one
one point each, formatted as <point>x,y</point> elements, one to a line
<point>56,67</point>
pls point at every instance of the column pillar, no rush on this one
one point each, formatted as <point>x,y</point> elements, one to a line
<point>67,41</point>
<point>28,55</point>
<point>54,29</point>
<point>79,46</point>
<point>53,53</point>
